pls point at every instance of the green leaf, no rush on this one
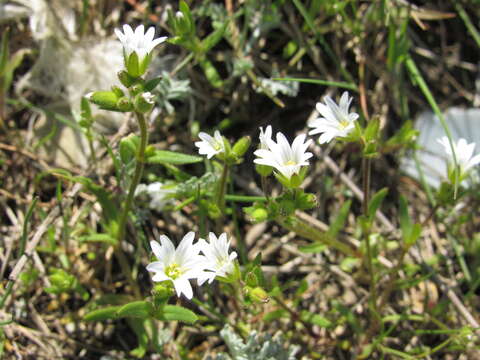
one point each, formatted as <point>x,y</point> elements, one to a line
<point>316,247</point>
<point>11,65</point>
<point>405,222</point>
<point>152,84</point>
<point>339,221</point>
<point>109,312</point>
<point>136,309</point>
<point>183,7</point>
<point>211,73</point>
<point>171,157</point>
<point>415,233</point>
<point>338,84</point>
<point>375,202</point>
<point>4,52</point>
<point>275,315</point>
<point>178,313</point>
<point>102,238</point>
<point>315,319</point>
<point>213,38</point>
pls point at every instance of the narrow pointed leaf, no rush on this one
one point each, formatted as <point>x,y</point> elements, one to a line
<point>171,157</point>
<point>178,313</point>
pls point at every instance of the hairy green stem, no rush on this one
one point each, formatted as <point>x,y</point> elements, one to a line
<point>140,160</point>
<point>366,173</point>
<point>307,231</point>
<point>222,188</point>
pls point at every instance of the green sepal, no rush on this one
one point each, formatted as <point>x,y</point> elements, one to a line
<point>133,65</point>
<point>119,92</point>
<point>263,170</point>
<point>125,78</point>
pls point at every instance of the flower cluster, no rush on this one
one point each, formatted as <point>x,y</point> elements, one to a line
<point>202,261</point>
<point>289,159</point>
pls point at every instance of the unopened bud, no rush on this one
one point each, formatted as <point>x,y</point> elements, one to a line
<point>241,146</point>
<point>107,100</point>
<point>259,215</point>
<point>257,294</point>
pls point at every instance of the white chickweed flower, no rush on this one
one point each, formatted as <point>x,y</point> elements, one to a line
<point>218,261</point>
<point>210,146</point>
<point>148,97</point>
<point>177,265</point>
<point>138,41</point>
<point>335,120</point>
<point>285,158</point>
<point>463,154</point>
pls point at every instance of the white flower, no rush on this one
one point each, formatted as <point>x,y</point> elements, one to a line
<point>285,158</point>
<point>177,265</point>
<point>463,154</point>
<point>210,146</point>
<point>218,261</point>
<point>264,136</point>
<point>138,41</point>
<point>148,97</point>
<point>335,120</point>
<point>159,194</point>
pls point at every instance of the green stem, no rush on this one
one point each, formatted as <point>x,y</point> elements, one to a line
<point>366,172</point>
<point>140,160</point>
<point>366,169</point>
<point>222,188</point>
<point>136,176</point>
<point>220,201</point>
<point>307,231</point>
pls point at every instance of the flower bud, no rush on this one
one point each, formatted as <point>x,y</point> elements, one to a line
<point>241,146</point>
<point>144,102</point>
<point>107,100</point>
<point>257,294</point>
<point>259,215</point>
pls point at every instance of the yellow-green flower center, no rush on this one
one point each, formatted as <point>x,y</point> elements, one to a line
<point>343,124</point>
<point>290,162</point>
<point>217,146</point>
<point>173,271</point>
